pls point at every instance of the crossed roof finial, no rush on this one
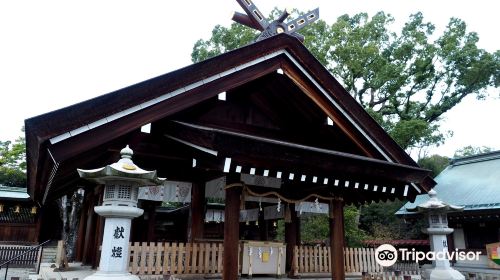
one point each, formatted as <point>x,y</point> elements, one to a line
<point>254,19</point>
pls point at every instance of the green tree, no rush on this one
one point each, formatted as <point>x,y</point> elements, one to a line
<point>13,162</point>
<point>435,163</point>
<point>317,228</point>
<point>379,222</point>
<point>404,80</point>
<point>471,151</point>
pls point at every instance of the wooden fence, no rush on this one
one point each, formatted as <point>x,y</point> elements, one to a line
<point>175,258</point>
<point>206,258</point>
<point>391,275</point>
<point>8,252</point>
<point>311,259</point>
<point>316,259</point>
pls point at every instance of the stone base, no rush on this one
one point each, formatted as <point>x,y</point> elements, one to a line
<point>100,275</point>
<point>443,274</point>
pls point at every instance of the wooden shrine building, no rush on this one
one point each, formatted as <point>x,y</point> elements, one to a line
<point>268,117</point>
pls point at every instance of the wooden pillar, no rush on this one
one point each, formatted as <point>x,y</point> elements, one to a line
<point>39,219</point>
<point>263,227</point>
<point>89,238</point>
<point>82,224</point>
<point>151,221</point>
<point>291,235</point>
<point>197,212</point>
<point>99,230</point>
<point>337,238</point>
<point>231,233</point>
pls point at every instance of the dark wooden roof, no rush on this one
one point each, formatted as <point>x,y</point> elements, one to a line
<point>291,108</point>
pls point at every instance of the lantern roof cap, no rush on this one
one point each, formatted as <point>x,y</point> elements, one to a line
<point>124,169</point>
<point>434,204</point>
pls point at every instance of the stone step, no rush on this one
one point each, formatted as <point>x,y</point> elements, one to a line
<point>49,254</point>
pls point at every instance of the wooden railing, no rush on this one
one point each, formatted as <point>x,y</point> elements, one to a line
<point>316,259</point>
<point>175,258</point>
<point>311,259</point>
<point>391,275</point>
<point>206,258</point>
<point>30,259</point>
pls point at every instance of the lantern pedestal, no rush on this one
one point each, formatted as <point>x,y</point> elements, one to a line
<point>442,269</point>
<point>119,206</point>
<point>436,211</point>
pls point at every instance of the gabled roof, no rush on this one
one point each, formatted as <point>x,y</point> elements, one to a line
<point>472,182</point>
<point>58,137</point>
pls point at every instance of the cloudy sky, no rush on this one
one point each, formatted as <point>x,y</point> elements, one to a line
<point>56,53</point>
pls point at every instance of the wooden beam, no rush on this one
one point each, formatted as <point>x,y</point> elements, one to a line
<point>231,233</point>
<point>268,153</point>
<point>326,107</point>
<point>337,239</point>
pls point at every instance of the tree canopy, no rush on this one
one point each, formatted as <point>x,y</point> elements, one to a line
<point>13,163</point>
<point>405,80</point>
<point>471,151</point>
<point>435,163</point>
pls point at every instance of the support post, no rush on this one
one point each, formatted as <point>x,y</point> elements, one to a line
<point>337,238</point>
<point>263,227</point>
<point>152,221</point>
<point>291,235</point>
<point>80,237</point>
<point>197,212</point>
<point>89,237</point>
<point>231,233</point>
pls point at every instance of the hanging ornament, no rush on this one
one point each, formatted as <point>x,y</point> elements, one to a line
<point>278,208</point>
<point>316,203</point>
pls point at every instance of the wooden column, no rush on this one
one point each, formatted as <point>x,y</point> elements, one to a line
<point>152,220</point>
<point>291,235</point>
<point>231,233</point>
<point>89,238</point>
<point>197,212</point>
<point>263,227</point>
<point>99,230</point>
<point>82,224</point>
<point>337,238</point>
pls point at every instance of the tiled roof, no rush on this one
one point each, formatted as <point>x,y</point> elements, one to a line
<point>14,193</point>
<point>24,216</point>
<point>472,182</point>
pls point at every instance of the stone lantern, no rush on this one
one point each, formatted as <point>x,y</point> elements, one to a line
<point>121,181</point>
<point>435,211</point>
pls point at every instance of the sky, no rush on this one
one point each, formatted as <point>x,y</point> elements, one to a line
<point>57,53</point>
